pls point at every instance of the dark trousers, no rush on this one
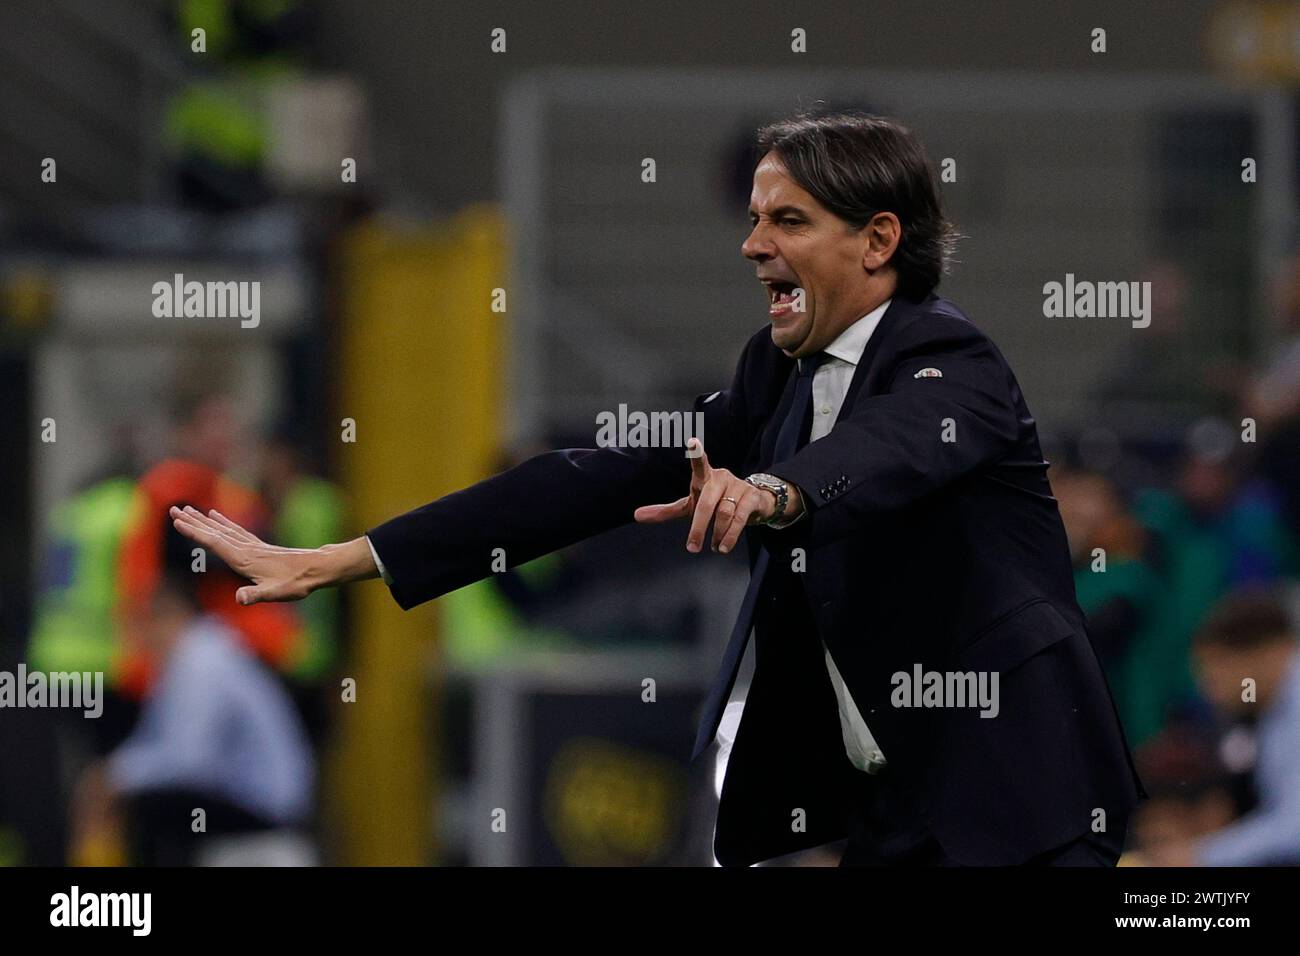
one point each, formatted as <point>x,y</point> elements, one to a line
<point>888,831</point>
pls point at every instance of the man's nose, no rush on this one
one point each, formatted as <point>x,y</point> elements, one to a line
<point>756,247</point>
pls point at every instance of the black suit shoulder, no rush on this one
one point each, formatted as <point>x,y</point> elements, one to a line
<point>937,324</point>
<point>937,327</point>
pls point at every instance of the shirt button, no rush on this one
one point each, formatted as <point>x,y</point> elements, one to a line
<point>826,409</point>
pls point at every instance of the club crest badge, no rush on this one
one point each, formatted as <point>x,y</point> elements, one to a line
<point>928,373</point>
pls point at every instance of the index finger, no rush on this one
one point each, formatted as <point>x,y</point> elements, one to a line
<point>700,463</point>
<point>221,544</point>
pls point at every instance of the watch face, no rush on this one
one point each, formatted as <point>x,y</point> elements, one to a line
<point>777,487</point>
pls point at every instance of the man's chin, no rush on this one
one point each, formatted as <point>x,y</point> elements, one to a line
<point>787,340</point>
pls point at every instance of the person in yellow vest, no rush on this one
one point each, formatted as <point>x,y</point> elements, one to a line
<point>74,627</point>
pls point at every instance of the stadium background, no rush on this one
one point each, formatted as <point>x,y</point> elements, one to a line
<point>521,170</point>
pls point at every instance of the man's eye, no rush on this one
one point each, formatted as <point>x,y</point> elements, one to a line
<point>790,222</point>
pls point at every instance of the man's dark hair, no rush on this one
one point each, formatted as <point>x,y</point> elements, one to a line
<point>856,165</point>
<point>1246,620</point>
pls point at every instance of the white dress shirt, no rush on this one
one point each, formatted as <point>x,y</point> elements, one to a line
<point>830,385</point>
<point>379,565</point>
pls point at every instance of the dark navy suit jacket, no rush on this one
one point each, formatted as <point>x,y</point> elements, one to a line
<point>932,538</point>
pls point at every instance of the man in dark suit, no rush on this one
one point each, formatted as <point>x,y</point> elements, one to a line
<point>924,683</point>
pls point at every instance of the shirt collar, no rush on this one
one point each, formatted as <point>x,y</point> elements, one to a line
<point>852,342</point>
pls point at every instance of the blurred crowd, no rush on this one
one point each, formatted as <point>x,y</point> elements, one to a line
<point>215,713</point>
<point>1188,569</point>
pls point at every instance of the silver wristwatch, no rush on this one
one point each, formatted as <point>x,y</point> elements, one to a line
<point>778,487</point>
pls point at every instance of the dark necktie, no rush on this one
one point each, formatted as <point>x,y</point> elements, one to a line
<point>787,443</point>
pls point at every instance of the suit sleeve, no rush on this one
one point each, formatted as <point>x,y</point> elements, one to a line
<point>924,432</point>
<point>549,502</point>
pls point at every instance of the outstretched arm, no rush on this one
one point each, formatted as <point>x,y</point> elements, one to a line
<point>554,500</point>
<point>544,504</point>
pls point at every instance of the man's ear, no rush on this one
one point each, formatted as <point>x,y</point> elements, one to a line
<point>883,234</point>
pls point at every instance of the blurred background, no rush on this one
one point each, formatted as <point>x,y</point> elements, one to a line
<point>382,169</point>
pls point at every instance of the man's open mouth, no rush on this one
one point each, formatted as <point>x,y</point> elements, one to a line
<point>781,296</point>
<point>778,290</point>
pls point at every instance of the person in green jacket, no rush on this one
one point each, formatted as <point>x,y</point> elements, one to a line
<point>1121,595</point>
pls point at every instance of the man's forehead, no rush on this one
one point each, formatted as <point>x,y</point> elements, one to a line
<point>773,187</point>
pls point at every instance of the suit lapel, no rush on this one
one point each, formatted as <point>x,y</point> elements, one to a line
<point>875,357</point>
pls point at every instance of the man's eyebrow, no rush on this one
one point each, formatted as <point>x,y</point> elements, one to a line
<point>780,211</point>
